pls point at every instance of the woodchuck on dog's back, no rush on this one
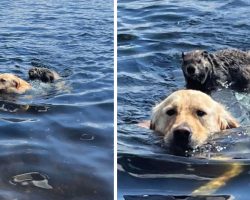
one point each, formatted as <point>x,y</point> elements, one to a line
<point>43,74</point>
<point>224,68</point>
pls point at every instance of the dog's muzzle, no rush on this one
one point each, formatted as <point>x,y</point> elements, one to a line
<point>181,141</point>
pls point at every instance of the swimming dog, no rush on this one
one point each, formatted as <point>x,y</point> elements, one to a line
<point>10,83</point>
<point>187,118</point>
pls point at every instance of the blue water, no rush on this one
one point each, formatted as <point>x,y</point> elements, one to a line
<point>57,142</point>
<point>151,36</point>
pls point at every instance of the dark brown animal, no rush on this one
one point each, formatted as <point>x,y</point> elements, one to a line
<point>225,68</point>
<point>43,74</point>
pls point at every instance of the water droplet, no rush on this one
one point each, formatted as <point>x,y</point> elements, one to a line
<point>87,137</point>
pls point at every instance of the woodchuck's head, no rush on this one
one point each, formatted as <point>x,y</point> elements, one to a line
<point>196,66</point>
<point>43,74</point>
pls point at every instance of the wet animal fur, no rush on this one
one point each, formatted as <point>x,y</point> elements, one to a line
<point>230,67</point>
<point>187,118</point>
<point>9,83</point>
<point>12,84</point>
<point>43,74</point>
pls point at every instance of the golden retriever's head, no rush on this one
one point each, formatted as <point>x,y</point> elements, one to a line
<point>10,83</point>
<point>188,117</point>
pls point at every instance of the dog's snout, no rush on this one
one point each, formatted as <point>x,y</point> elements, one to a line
<point>191,70</point>
<point>182,135</point>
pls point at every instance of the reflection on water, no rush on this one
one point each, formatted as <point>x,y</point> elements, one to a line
<point>53,145</point>
<point>151,37</point>
<point>32,178</point>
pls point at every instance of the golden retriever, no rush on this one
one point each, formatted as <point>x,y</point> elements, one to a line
<point>187,118</point>
<point>10,83</point>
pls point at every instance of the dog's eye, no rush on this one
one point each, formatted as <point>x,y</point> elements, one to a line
<point>200,113</point>
<point>171,112</point>
<point>2,80</point>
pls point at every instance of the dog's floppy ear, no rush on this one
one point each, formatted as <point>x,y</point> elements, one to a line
<point>226,120</point>
<point>16,83</point>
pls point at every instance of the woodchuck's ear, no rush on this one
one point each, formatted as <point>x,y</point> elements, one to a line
<point>226,120</point>
<point>205,54</point>
<point>182,55</point>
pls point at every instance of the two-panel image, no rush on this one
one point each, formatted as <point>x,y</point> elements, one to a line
<point>125,100</point>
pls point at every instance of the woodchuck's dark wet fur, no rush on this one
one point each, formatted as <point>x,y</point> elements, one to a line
<point>224,68</point>
<point>43,74</point>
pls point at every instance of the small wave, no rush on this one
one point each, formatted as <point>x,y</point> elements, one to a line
<point>32,178</point>
<point>124,37</point>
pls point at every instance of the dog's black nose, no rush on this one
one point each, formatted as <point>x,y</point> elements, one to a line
<point>182,136</point>
<point>190,70</point>
<point>181,141</point>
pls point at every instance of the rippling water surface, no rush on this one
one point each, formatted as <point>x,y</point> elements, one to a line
<point>151,37</point>
<point>56,141</point>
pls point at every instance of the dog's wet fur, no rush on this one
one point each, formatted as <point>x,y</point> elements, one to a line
<point>206,71</point>
<point>187,118</point>
<point>12,84</point>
